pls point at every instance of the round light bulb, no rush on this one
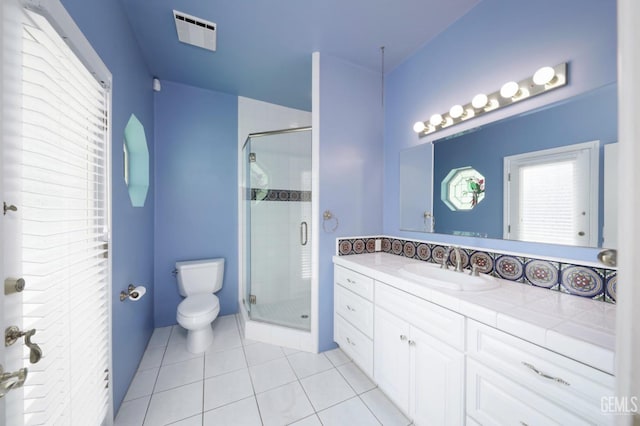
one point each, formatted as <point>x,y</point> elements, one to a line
<point>456,111</point>
<point>544,76</point>
<point>509,90</point>
<point>436,119</point>
<point>480,101</point>
<point>419,127</point>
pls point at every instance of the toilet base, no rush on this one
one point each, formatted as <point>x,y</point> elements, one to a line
<point>199,340</point>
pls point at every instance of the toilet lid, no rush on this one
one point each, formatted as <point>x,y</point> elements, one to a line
<point>198,304</point>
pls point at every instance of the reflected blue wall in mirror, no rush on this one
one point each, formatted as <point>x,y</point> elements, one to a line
<point>136,157</point>
<point>588,117</point>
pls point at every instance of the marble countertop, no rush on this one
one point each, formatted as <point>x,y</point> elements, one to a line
<point>577,327</point>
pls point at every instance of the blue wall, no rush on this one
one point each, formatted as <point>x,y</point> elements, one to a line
<point>584,119</point>
<point>106,27</point>
<point>350,166</point>
<point>196,211</point>
<point>495,42</point>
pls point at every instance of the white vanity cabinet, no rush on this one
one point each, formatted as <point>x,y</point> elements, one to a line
<point>512,381</point>
<point>422,374</point>
<point>353,316</point>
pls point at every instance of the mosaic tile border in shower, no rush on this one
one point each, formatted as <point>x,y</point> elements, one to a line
<point>585,281</point>
<point>279,195</point>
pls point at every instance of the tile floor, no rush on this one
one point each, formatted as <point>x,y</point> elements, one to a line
<point>240,382</point>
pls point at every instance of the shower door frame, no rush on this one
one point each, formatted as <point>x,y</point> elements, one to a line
<point>262,331</point>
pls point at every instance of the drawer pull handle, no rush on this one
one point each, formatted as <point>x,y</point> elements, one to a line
<point>403,337</point>
<point>350,342</point>
<point>546,376</point>
<point>523,423</point>
<point>350,308</point>
<point>411,342</point>
<point>350,281</point>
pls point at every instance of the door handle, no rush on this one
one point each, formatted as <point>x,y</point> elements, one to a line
<point>9,381</point>
<point>13,333</point>
<point>303,233</point>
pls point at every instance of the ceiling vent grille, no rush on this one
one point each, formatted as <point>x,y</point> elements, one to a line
<point>195,31</point>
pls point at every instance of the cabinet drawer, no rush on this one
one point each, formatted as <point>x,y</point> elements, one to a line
<point>358,283</point>
<point>439,322</point>
<point>578,386</point>
<point>493,399</point>
<point>355,344</point>
<point>355,309</point>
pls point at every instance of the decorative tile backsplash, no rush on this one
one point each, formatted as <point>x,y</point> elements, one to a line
<point>280,195</point>
<point>586,281</point>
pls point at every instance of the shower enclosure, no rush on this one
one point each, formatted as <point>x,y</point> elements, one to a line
<point>276,227</point>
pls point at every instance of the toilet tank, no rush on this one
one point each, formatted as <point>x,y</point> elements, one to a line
<point>200,276</point>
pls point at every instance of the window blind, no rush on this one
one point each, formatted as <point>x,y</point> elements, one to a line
<point>64,210</point>
<point>548,206</point>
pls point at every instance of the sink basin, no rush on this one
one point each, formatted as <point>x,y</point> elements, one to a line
<point>431,274</point>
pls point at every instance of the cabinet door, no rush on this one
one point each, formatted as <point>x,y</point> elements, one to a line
<point>391,357</point>
<point>436,395</point>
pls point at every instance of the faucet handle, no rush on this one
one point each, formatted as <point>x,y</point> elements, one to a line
<point>474,270</point>
<point>445,258</point>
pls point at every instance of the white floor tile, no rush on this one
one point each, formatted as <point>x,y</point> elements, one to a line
<point>260,353</point>
<point>284,405</point>
<point>383,408</point>
<point>225,337</point>
<point>160,337</point>
<point>179,374</point>
<point>132,413</point>
<point>178,353</point>
<point>216,363</point>
<point>240,413</point>
<point>327,389</point>
<point>307,364</point>
<point>312,420</point>
<point>152,358</point>
<point>356,378</point>
<point>142,384</point>
<point>347,413</point>
<point>178,336</point>
<point>191,421</point>
<point>226,322</point>
<point>271,375</point>
<point>175,404</point>
<point>337,357</point>
<point>290,351</point>
<point>226,388</point>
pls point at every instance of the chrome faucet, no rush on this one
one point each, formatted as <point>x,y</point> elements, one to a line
<point>456,252</point>
<point>445,258</point>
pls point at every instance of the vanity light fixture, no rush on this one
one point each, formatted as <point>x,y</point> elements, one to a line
<point>509,90</point>
<point>436,120</point>
<point>544,76</point>
<point>480,101</point>
<point>544,80</point>
<point>456,111</point>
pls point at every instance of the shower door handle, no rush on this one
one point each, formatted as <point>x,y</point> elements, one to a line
<point>303,233</point>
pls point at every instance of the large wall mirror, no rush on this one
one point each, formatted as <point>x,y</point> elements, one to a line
<point>548,175</point>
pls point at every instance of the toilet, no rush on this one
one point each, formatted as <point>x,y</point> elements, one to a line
<point>197,281</point>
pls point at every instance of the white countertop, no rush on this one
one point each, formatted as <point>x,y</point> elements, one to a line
<point>577,327</point>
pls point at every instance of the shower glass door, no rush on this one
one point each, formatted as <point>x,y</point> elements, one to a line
<point>277,219</point>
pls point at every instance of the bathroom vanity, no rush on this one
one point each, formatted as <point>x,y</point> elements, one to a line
<point>504,353</point>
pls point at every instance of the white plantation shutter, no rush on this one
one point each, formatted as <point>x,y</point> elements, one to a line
<point>548,206</point>
<point>64,209</point>
<point>551,195</point>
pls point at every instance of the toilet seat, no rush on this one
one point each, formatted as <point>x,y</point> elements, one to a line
<point>199,305</point>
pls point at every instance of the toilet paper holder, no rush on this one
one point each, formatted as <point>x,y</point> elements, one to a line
<point>133,293</point>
